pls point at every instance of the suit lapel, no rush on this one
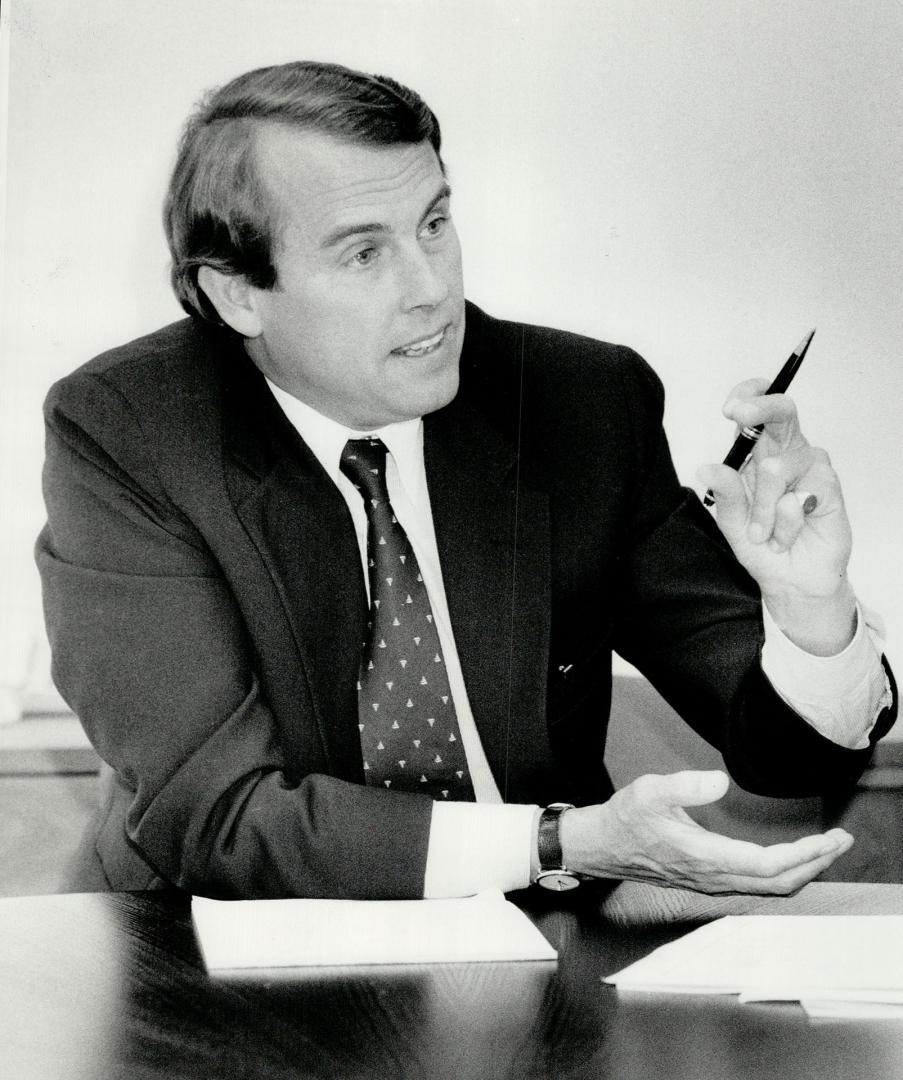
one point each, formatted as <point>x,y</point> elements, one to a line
<point>300,524</point>
<point>493,537</point>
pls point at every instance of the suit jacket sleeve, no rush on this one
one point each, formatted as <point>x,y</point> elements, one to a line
<point>152,653</point>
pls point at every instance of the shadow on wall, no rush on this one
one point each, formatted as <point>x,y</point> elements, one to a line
<point>42,818</point>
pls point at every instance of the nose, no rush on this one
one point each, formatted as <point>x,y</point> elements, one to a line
<point>423,281</point>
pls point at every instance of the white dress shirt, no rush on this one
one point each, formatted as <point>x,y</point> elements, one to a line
<point>488,843</point>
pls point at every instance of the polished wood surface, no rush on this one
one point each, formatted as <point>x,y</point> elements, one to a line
<point>110,986</point>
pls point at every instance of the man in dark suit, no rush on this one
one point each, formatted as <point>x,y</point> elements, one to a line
<point>215,583</point>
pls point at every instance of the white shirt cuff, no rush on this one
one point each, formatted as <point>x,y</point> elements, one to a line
<point>476,846</point>
<point>840,696</point>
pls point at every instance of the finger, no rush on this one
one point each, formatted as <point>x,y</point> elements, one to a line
<point>744,391</point>
<point>774,476</point>
<point>731,498</point>
<point>808,501</point>
<point>781,859</point>
<point>731,494</point>
<point>687,788</point>
<point>732,861</point>
<point>791,512</point>
<point>789,520</point>
<point>777,412</point>
<point>792,880</point>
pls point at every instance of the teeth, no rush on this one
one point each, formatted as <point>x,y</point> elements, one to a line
<point>422,347</point>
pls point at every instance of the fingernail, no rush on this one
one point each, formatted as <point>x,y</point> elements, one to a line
<point>810,504</point>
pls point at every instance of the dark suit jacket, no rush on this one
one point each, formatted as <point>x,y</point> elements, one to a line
<point>205,604</point>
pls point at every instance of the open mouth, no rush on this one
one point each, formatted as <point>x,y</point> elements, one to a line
<point>424,346</point>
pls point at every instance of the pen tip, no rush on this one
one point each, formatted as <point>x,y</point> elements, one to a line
<point>804,344</point>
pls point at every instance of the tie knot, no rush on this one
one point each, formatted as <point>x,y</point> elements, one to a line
<point>363,461</point>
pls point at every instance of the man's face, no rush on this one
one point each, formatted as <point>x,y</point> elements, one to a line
<point>366,321</point>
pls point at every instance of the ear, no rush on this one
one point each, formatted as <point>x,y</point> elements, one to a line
<point>233,299</point>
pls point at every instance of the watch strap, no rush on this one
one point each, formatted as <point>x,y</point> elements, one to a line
<point>548,839</point>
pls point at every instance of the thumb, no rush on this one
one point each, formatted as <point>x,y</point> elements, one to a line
<point>731,500</point>
<point>692,788</point>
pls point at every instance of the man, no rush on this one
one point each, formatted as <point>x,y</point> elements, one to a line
<point>334,568</point>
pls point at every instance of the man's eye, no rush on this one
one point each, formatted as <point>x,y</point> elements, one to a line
<point>435,226</point>
<point>364,257</point>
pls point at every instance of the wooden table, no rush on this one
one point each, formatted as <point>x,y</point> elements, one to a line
<point>112,986</point>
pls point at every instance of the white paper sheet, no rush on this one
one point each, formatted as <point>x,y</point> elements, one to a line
<point>851,960</point>
<point>237,934</point>
<point>832,1009</point>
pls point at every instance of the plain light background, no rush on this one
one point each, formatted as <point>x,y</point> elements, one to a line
<point>703,180</point>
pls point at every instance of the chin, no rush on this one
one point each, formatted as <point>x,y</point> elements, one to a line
<point>441,393</point>
<point>418,396</point>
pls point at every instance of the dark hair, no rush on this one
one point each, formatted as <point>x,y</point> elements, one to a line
<point>217,212</point>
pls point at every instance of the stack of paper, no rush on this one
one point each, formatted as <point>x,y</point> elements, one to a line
<point>301,933</point>
<point>835,965</point>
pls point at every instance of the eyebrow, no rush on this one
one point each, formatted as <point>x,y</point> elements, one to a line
<point>346,231</point>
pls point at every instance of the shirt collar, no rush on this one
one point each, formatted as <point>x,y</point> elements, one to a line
<point>326,439</point>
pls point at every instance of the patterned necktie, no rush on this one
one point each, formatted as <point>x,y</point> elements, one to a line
<point>410,737</point>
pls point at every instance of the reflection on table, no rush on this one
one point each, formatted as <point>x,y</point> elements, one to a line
<point>113,986</point>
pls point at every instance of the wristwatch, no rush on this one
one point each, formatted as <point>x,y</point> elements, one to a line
<point>553,874</point>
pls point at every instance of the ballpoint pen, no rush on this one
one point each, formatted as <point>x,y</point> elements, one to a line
<point>745,442</point>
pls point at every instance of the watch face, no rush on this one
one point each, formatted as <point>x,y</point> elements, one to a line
<point>558,880</point>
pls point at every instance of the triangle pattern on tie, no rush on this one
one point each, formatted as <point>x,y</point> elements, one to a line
<point>410,738</point>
